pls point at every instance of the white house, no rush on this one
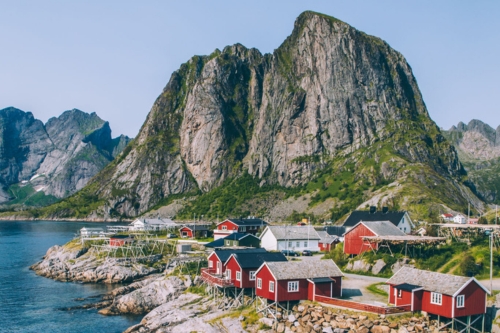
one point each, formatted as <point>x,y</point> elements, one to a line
<point>152,224</point>
<point>296,238</point>
<point>459,218</point>
<point>400,219</point>
<point>89,232</point>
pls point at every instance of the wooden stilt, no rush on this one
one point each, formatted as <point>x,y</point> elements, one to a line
<point>482,325</point>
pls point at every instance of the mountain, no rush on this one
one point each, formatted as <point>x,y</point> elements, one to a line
<point>40,163</point>
<point>478,147</point>
<point>332,120</point>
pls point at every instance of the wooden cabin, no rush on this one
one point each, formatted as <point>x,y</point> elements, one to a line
<point>192,231</point>
<point>120,240</point>
<point>246,226</point>
<point>217,259</point>
<point>298,280</point>
<point>441,294</point>
<point>353,238</point>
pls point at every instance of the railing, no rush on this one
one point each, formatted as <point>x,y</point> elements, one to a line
<point>361,306</point>
<point>210,276</point>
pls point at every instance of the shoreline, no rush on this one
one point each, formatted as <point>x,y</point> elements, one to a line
<point>33,219</point>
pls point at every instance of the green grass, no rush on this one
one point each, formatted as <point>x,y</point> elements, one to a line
<point>374,289</point>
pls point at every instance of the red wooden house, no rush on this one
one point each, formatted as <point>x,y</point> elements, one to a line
<point>440,294</point>
<point>215,273</point>
<point>327,242</point>
<point>353,239</point>
<point>247,226</point>
<point>241,267</point>
<point>120,240</point>
<point>298,280</point>
<point>189,231</point>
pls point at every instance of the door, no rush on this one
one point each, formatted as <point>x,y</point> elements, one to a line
<point>219,267</point>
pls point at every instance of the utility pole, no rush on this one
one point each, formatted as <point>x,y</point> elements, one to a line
<point>491,261</point>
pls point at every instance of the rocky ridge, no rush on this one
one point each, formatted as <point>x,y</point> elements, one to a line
<point>478,147</point>
<point>57,158</point>
<point>330,99</point>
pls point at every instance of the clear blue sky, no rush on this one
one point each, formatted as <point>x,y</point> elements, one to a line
<point>115,57</point>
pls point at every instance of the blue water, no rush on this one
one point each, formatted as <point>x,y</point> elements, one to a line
<point>30,303</point>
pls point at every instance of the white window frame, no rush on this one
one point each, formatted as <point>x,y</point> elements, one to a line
<point>238,275</point>
<point>400,293</point>
<point>210,264</point>
<point>224,227</point>
<point>305,244</point>
<point>243,229</point>
<point>252,276</point>
<point>460,301</point>
<point>228,274</point>
<point>293,286</point>
<point>436,298</point>
<point>297,244</point>
<point>289,245</point>
<point>259,283</point>
<point>271,286</point>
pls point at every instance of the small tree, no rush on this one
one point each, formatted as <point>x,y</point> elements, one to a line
<point>468,265</point>
<point>482,220</point>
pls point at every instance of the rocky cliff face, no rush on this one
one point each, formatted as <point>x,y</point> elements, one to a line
<point>329,90</point>
<point>57,158</point>
<point>478,146</point>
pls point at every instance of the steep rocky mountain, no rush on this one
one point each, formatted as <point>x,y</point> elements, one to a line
<point>41,163</point>
<point>478,147</point>
<point>333,118</point>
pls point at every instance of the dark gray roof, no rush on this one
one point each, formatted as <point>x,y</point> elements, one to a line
<point>361,215</point>
<point>321,280</point>
<point>304,269</point>
<point>238,236</point>
<point>198,227</point>
<point>335,230</point>
<point>216,243</point>
<point>282,232</point>
<point>255,260</point>
<point>248,222</point>
<point>225,253</point>
<point>431,281</point>
<point>383,228</point>
<point>407,286</point>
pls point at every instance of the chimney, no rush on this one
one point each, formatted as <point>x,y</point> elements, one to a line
<point>385,210</point>
<point>373,209</point>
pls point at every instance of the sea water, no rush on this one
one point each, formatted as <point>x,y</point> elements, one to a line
<point>31,303</point>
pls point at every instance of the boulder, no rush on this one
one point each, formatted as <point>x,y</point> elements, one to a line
<point>378,266</point>
<point>380,329</point>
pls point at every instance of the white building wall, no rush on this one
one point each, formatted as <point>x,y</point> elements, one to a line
<point>460,219</point>
<point>268,241</point>
<point>312,245</point>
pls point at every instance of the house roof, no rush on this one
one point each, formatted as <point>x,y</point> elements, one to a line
<point>199,227</point>
<point>321,280</point>
<point>239,236</point>
<point>326,238</point>
<point>292,232</point>
<point>247,222</point>
<point>381,228</point>
<point>121,236</point>
<point>255,260</point>
<point>407,286</point>
<point>365,216</point>
<point>224,253</point>
<point>148,221</point>
<point>305,269</point>
<point>431,281</point>
<point>335,230</point>
<point>447,215</point>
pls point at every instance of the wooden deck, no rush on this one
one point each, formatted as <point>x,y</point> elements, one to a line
<point>361,306</point>
<point>208,275</point>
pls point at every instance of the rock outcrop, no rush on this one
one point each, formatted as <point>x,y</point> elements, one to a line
<point>478,146</point>
<point>57,158</point>
<point>328,92</point>
<point>72,263</point>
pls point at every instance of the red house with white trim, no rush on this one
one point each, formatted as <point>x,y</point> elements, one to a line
<point>120,240</point>
<point>298,280</point>
<point>441,294</point>
<point>241,267</point>
<point>353,239</point>
<point>247,226</point>
<point>189,231</point>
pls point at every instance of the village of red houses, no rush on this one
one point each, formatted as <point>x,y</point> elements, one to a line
<point>275,266</point>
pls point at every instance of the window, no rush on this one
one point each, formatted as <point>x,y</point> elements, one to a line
<point>298,244</point>
<point>271,286</point>
<point>289,244</point>
<point>436,298</point>
<point>293,286</point>
<point>259,283</point>
<point>252,275</point>
<point>228,274</point>
<point>210,264</point>
<point>460,301</point>
<point>238,275</point>
<point>243,229</point>
<point>400,293</point>
<point>305,244</point>
<point>224,227</point>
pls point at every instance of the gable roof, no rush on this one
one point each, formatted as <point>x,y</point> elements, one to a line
<point>255,260</point>
<point>239,236</point>
<point>432,281</point>
<point>247,222</point>
<point>224,253</point>
<point>335,230</point>
<point>380,228</point>
<point>292,232</point>
<point>199,227</point>
<point>365,216</point>
<point>305,269</point>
